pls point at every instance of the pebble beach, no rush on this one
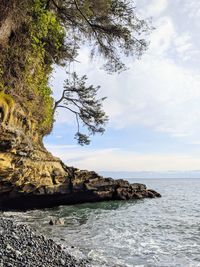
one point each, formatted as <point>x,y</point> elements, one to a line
<point>20,246</point>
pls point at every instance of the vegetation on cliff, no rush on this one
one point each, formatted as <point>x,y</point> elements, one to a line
<point>37,34</point>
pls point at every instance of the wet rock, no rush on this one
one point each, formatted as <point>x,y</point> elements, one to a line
<point>30,177</point>
<point>22,154</point>
<point>32,249</point>
<point>156,194</point>
<point>151,194</point>
<point>138,187</point>
<point>138,196</point>
<point>5,145</point>
<point>59,221</point>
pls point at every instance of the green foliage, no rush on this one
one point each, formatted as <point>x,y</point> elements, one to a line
<point>111,27</point>
<point>48,32</point>
<point>82,139</point>
<point>44,31</point>
<point>26,62</point>
<point>82,101</point>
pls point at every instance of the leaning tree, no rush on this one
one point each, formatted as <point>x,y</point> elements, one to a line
<point>36,35</point>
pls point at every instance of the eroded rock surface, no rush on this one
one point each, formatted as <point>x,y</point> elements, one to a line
<point>30,177</point>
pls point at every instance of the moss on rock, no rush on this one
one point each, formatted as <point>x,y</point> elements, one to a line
<point>30,49</point>
<point>6,108</point>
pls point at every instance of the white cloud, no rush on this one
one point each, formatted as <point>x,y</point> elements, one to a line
<point>162,37</point>
<point>159,92</point>
<point>114,159</point>
<point>162,96</point>
<point>151,7</point>
<point>155,92</point>
<point>183,43</point>
<point>185,47</point>
<point>191,8</point>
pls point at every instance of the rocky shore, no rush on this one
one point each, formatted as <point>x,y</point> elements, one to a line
<point>31,177</point>
<point>22,247</point>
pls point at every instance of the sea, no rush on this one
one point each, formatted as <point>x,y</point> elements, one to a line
<point>161,232</point>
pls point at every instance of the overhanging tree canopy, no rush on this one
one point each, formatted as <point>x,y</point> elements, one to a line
<point>41,33</point>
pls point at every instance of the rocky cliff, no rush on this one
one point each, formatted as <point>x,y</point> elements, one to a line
<point>32,40</point>
<point>30,177</point>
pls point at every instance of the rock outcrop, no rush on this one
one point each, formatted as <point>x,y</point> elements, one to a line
<point>30,177</point>
<point>32,40</point>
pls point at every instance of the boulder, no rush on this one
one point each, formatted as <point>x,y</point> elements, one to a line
<point>155,193</point>
<point>58,221</point>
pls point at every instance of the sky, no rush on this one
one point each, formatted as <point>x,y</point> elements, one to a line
<point>153,107</point>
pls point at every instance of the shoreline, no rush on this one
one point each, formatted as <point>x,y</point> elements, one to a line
<point>21,246</point>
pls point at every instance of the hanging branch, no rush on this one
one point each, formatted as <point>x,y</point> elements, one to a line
<point>112,27</point>
<point>82,102</point>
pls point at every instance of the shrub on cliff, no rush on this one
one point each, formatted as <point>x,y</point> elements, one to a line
<point>36,34</point>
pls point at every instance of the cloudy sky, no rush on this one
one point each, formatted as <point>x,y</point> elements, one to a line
<point>154,107</point>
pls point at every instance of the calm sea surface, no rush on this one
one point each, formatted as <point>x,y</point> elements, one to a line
<point>162,232</point>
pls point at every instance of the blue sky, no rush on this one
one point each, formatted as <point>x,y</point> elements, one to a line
<point>154,107</point>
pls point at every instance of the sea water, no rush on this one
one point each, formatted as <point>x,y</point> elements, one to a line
<point>161,232</point>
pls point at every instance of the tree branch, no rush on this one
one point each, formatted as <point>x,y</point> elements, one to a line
<point>89,23</point>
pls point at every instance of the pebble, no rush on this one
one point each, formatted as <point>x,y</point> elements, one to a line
<point>21,246</point>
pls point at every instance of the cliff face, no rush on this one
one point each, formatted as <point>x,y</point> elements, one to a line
<point>29,175</point>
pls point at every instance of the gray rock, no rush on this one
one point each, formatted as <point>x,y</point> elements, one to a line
<point>31,249</point>
<point>59,221</point>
